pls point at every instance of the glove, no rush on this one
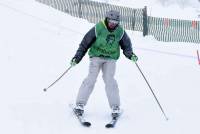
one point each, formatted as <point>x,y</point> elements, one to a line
<point>134,58</point>
<point>73,62</point>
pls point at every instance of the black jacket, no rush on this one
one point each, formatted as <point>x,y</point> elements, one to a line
<point>90,37</point>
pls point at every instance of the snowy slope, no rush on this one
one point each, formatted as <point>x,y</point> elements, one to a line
<point>36,46</point>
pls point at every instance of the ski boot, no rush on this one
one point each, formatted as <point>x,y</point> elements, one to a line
<point>115,111</point>
<point>79,109</point>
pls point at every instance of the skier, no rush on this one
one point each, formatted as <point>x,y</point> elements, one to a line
<point>103,41</point>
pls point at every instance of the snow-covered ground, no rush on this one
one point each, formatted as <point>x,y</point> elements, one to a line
<point>36,46</point>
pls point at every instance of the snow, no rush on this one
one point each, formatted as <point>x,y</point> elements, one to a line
<point>36,45</point>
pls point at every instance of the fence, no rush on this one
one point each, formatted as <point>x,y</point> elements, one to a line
<point>163,29</point>
<point>174,30</point>
<point>131,19</point>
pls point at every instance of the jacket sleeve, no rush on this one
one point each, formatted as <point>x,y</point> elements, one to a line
<point>85,44</point>
<point>126,45</point>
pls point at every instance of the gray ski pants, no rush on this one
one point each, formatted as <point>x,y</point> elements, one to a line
<point>108,67</point>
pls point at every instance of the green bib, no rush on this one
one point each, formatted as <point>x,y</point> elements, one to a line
<point>107,43</point>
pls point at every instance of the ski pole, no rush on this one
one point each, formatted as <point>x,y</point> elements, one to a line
<point>45,89</point>
<point>152,91</point>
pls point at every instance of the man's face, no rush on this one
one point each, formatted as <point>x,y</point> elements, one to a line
<point>112,23</point>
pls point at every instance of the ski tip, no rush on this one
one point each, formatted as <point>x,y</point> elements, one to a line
<point>87,124</point>
<point>44,89</point>
<point>109,126</point>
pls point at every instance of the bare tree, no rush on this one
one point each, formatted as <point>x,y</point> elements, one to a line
<point>163,2</point>
<point>182,3</point>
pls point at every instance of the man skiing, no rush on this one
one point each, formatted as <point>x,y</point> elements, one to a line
<point>103,41</point>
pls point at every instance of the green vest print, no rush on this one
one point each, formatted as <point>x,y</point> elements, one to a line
<point>107,43</point>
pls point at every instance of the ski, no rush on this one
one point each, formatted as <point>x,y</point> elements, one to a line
<point>113,121</point>
<point>80,117</point>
